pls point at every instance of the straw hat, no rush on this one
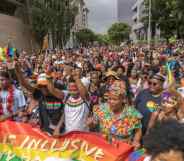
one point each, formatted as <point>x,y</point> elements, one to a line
<point>111,73</point>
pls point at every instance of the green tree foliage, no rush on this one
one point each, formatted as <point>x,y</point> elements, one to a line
<point>102,39</point>
<point>119,32</point>
<point>55,17</point>
<point>85,36</point>
<point>168,15</point>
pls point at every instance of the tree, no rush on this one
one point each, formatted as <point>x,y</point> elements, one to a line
<point>102,39</point>
<point>85,36</point>
<point>119,32</point>
<point>168,16</point>
<point>55,17</point>
<point>179,12</point>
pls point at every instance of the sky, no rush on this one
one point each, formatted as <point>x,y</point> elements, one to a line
<point>102,14</point>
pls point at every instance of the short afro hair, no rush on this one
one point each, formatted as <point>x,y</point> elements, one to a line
<point>165,136</point>
<point>5,74</point>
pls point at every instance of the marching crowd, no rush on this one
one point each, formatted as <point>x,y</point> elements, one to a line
<point>119,94</point>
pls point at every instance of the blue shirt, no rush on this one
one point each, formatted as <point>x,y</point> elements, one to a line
<point>146,103</point>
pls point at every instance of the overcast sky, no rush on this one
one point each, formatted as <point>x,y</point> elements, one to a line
<point>102,14</point>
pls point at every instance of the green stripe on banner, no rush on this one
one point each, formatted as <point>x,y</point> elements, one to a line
<point>9,157</point>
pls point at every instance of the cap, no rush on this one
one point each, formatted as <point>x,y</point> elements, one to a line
<point>158,77</point>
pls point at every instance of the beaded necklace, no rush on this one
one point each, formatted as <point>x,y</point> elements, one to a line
<point>10,100</point>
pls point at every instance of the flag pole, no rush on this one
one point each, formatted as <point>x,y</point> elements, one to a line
<point>149,26</point>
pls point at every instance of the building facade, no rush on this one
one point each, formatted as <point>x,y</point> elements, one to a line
<point>14,26</point>
<point>81,21</point>
<point>139,32</point>
<point>124,11</point>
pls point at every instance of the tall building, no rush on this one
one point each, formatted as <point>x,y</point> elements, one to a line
<point>81,19</point>
<point>139,32</point>
<point>85,17</point>
<point>124,11</point>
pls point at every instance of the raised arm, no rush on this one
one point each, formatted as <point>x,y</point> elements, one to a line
<point>21,79</point>
<point>82,89</point>
<point>54,91</point>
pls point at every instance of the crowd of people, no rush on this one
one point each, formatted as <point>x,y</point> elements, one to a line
<point>119,94</point>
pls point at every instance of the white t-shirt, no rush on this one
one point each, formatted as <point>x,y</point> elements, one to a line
<point>19,100</point>
<point>75,117</point>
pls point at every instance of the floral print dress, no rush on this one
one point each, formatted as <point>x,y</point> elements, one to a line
<point>121,127</point>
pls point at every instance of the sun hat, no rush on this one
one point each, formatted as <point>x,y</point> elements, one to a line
<point>111,73</point>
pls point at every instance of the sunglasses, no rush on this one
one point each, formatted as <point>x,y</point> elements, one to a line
<point>170,102</point>
<point>152,83</point>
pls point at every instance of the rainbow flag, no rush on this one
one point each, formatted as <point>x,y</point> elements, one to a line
<point>21,142</point>
<point>7,54</point>
<point>137,155</point>
<point>170,76</point>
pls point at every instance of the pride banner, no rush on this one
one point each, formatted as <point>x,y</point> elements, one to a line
<point>21,142</point>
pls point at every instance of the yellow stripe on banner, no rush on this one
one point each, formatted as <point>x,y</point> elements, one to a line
<point>30,154</point>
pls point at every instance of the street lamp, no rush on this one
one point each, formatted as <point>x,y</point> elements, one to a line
<point>149,26</point>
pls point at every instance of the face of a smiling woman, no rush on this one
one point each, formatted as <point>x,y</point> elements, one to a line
<point>172,155</point>
<point>115,102</point>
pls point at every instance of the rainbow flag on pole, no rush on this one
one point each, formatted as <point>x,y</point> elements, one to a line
<point>7,54</point>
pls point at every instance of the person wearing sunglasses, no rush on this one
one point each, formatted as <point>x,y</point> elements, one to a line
<point>148,101</point>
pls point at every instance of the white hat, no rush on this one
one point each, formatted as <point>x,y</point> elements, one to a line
<point>42,79</point>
